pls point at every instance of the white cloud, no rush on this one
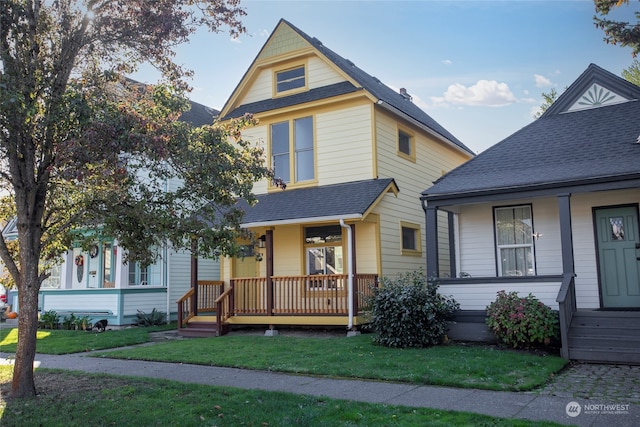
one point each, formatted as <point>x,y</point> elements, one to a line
<point>483,93</point>
<point>447,62</point>
<point>542,81</point>
<point>265,33</point>
<point>236,40</point>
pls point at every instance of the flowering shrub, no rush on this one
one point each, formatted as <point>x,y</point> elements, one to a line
<point>409,312</point>
<point>522,322</point>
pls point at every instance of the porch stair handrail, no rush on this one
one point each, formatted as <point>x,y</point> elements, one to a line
<point>224,304</point>
<point>208,293</point>
<point>185,309</point>
<point>566,307</point>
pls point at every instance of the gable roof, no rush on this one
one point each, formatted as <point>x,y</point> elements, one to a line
<point>349,200</point>
<point>570,144</point>
<point>386,97</point>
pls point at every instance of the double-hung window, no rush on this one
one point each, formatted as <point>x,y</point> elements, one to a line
<point>292,149</point>
<point>138,275</point>
<point>514,241</point>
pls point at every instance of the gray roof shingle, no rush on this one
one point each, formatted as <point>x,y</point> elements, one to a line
<point>558,149</point>
<point>199,115</point>
<point>344,199</point>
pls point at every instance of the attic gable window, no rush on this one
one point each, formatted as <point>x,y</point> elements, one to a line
<point>293,78</point>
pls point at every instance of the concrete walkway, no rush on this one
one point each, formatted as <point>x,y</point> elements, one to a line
<point>556,402</point>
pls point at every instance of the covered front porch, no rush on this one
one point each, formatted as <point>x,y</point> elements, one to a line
<point>582,268</point>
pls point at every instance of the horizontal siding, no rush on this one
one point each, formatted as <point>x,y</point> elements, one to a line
<point>321,74</point>
<point>432,159</point>
<point>477,239</point>
<point>479,295</point>
<point>90,300</point>
<point>261,88</point>
<point>343,141</point>
<point>477,242</point>
<point>145,302</point>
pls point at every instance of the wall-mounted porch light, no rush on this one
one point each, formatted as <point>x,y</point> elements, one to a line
<point>262,241</point>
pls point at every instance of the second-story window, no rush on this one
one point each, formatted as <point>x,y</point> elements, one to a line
<point>293,136</point>
<point>290,79</point>
<point>406,145</point>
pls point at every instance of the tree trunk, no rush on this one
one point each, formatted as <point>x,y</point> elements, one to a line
<point>23,384</point>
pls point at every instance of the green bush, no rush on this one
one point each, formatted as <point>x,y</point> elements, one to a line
<point>409,312</point>
<point>49,320</point>
<point>152,319</point>
<point>522,322</point>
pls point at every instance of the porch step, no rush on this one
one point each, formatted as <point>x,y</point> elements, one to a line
<point>605,336</point>
<point>202,326</point>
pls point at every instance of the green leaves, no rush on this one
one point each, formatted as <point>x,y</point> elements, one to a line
<point>409,312</point>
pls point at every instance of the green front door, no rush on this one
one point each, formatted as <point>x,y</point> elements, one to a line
<point>618,241</point>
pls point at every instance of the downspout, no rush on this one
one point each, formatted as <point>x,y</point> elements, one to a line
<point>350,272</point>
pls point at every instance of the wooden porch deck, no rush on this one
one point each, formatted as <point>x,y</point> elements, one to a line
<point>321,300</point>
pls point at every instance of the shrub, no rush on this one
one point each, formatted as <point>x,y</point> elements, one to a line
<point>522,322</point>
<point>69,322</point>
<point>152,319</point>
<point>409,312</point>
<point>49,320</point>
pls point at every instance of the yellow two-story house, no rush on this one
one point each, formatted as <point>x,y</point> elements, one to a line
<point>353,155</point>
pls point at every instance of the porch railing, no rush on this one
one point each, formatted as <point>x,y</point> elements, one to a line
<point>566,307</point>
<point>323,294</point>
<point>208,293</point>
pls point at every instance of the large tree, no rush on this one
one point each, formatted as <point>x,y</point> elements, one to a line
<point>83,148</point>
<point>617,32</point>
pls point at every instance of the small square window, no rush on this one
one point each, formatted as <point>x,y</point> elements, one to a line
<point>409,239</point>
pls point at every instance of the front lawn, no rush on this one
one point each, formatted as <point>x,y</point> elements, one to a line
<point>455,365</point>
<point>56,341</point>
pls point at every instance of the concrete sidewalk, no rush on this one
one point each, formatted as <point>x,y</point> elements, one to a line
<point>531,406</point>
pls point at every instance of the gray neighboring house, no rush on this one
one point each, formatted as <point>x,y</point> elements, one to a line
<point>552,210</point>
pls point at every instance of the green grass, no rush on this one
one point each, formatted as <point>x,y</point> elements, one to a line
<point>66,342</point>
<point>467,366</point>
<point>72,399</point>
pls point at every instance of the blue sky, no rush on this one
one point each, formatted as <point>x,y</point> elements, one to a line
<point>477,67</point>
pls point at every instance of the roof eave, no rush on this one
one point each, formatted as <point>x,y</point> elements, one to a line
<point>291,221</point>
<point>523,191</point>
